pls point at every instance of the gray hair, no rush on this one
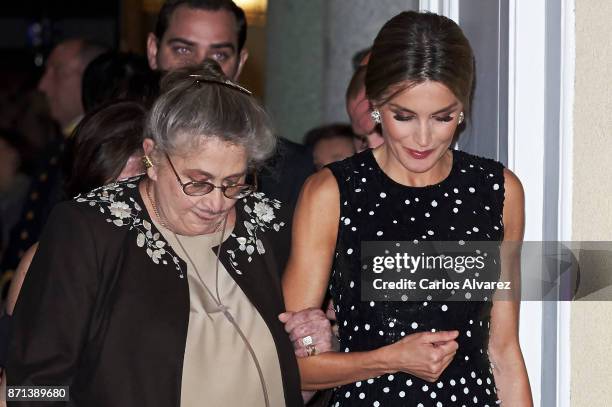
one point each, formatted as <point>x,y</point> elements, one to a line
<point>199,103</point>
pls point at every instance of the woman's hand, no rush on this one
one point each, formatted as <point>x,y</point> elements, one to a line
<point>424,354</point>
<point>310,324</point>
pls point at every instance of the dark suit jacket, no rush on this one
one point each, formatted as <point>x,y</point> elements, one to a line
<point>284,174</point>
<point>105,306</point>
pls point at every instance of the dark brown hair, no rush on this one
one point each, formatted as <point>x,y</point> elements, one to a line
<point>330,131</point>
<point>102,143</point>
<point>163,19</point>
<point>412,48</point>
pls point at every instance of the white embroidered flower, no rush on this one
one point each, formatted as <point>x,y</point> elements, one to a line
<point>120,210</point>
<point>263,211</point>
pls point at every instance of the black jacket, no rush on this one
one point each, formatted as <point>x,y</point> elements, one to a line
<point>105,306</point>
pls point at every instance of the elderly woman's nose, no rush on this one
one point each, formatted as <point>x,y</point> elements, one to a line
<point>217,202</point>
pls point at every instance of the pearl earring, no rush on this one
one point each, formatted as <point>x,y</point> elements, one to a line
<point>375,116</point>
<point>461,118</point>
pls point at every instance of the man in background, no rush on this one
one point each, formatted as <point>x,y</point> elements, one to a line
<point>189,31</point>
<point>61,81</point>
<point>330,143</point>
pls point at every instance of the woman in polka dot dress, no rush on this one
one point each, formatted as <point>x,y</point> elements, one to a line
<point>413,187</point>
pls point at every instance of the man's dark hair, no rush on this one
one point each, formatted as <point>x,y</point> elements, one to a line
<point>326,132</point>
<point>169,6</point>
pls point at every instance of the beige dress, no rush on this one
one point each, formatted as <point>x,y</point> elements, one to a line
<point>218,369</point>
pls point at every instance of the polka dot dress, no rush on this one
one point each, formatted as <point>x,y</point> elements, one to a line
<point>467,205</point>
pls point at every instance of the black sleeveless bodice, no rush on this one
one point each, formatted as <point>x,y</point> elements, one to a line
<point>468,206</point>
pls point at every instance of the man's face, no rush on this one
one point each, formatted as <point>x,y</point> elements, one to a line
<point>61,82</point>
<point>194,35</point>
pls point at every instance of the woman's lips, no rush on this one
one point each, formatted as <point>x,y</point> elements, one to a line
<point>419,155</point>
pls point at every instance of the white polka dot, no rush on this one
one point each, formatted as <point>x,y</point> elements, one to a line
<point>471,189</point>
<point>455,190</point>
<point>358,384</point>
<point>430,232</point>
<point>475,229</point>
<point>347,221</point>
<point>455,210</point>
<point>371,213</point>
<point>416,199</point>
<point>386,390</point>
<point>370,381</point>
<point>349,251</point>
<point>381,333</point>
<point>469,334</point>
<point>379,233</point>
<point>376,404</point>
<point>495,187</point>
<point>414,325</point>
<point>425,388</point>
<point>352,284</point>
<point>427,215</point>
<point>391,377</point>
<point>412,219</point>
<point>391,324</point>
<point>462,380</point>
<point>453,398</point>
<point>453,382</point>
<point>440,385</point>
<point>433,395</point>
<point>358,190</point>
<point>479,381</point>
<point>444,307</point>
<point>361,396</point>
<point>371,303</point>
<point>367,327</point>
<point>363,180</point>
<point>458,201</point>
<point>466,390</point>
<point>473,375</point>
<point>407,201</point>
<point>434,203</point>
<point>408,382</point>
<point>402,393</point>
<point>347,394</point>
<point>383,195</point>
<point>353,228</point>
<point>438,404</point>
<point>475,400</point>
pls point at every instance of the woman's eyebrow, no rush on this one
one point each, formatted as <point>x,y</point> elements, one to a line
<point>443,110</point>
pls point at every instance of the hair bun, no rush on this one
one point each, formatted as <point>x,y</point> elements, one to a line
<point>208,72</point>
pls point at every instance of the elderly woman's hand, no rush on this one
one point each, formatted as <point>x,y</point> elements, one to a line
<point>309,330</point>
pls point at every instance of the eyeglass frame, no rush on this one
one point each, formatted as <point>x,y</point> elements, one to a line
<point>223,188</point>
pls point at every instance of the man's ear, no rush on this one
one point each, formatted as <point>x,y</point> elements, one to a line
<point>148,146</point>
<point>244,55</point>
<point>152,48</point>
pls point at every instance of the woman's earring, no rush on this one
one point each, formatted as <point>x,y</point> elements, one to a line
<point>375,116</point>
<point>461,118</point>
<point>147,162</point>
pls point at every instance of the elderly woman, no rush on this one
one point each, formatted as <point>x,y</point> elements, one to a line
<point>163,290</point>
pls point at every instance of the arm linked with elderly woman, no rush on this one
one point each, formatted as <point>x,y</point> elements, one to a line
<point>140,289</point>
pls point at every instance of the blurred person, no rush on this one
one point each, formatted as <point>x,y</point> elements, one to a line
<point>359,110</point>
<point>118,75</point>
<point>187,32</point>
<point>330,143</point>
<point>62,79</point>
<point>61,85</point>
<point>198,307</point>
<point>14,182</point>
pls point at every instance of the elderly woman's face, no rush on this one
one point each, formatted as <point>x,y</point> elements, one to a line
<point>215,161</point>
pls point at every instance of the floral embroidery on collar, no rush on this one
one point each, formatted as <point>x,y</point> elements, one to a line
<point>111,201</point>
<point>260,217</point>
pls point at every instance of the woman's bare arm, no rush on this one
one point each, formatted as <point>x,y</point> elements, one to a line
<point>504,349</point>
<point>306,279</point>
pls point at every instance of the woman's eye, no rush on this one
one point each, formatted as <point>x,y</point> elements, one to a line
<point>402,118</point>
<point>444,119</point>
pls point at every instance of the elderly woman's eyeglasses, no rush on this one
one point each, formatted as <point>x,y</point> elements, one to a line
<point>199,188</point>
